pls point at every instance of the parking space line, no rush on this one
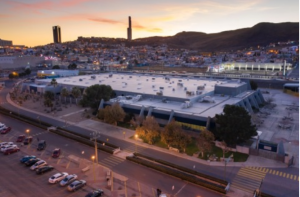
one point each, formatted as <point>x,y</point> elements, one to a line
<point>153,191</point>
<point>112,181</point>
<point>125,188</point>
<point>68,165</point>
<point>58,161</point>
<point>139,187</point>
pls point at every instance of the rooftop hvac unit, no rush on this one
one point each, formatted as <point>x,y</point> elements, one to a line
<point>93,77</point>
<point>80,79</point>
<point>185,88</point>
<point>161,88</point>
<point>173,89</point>
<point>153,86</point>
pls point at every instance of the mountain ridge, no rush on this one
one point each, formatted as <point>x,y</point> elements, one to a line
<point>260,34</point>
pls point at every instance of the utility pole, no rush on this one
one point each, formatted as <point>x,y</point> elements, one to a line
<point>94,137</point>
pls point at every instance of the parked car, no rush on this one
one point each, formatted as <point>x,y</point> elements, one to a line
<point>20,138</point>
<point>58,177</point>
<point>44,169</point>
<point>11,150</point>
<point>5,130</point>
<point>95,193</point>
<point>2,126</point>
<point>56,153</point>
<point>31,162</point>
<point>27,140</point>
<point>76,185</point>
<point>68,179</point>
<point>2,144</point>
<point>38,165</point>
<point>4,148</point>
<point>26,158</point>
<point>41,145</point>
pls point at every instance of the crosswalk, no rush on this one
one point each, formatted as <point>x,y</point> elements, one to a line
<point>248,179</point>
<point>111,161</point>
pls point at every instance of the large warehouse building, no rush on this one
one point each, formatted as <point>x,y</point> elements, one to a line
<point>191,101</point>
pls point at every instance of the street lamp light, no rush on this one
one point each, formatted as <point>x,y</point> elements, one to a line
<point>27,131</point>
<point>93,158</point>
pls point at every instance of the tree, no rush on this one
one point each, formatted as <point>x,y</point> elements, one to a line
<point>49,95</point>
<point>76,93</point>
<point>72,66</point>
<point>204,141</point>
<point>234,125</point>
<point>174,136</point>
<point>150,130</point>
<point>253,85</point>
<point>27,71</point>
<point>56,67</point>
<point>93,95</point>
<point>113,114</point>
<point>64,93</point>
<point>53,82</point>
<point>48,103</point>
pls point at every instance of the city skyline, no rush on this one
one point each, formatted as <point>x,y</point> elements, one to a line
<point>28,22</point>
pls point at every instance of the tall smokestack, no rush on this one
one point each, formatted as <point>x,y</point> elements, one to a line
<point>129,30</point>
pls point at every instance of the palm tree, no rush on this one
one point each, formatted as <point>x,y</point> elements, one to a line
<point>76,93</point>
<point>53,82</point>
<point>64,93</point>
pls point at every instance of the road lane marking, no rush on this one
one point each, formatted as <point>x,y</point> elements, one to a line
<point>277,172</point>
<point>284,174</point>
<point>180,189</point>
<point>270,171</point>
<point>139,187</point>
<point>291,177</point>
<point>58,161</point>
<point>274,172</point>
<point>280,174</point>
<point>112,181</point>
<point>295,178</point>
<point>287,176</point>
<point>267,170</point>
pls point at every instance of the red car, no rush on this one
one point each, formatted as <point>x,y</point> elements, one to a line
<point>56,153</point>
<point>20,138</point>
<point>11,150</point>
<point>6,130</point>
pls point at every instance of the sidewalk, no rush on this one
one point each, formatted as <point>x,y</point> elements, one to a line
<point>117,132</point>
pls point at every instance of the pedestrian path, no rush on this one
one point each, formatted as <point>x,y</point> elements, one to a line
<point>248,179</point>
<point>276,173</point>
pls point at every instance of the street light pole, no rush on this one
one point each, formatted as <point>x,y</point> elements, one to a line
<point>93,158</point>
<point>226,160</point>
<point>27,131</point>
<point>95,135</point>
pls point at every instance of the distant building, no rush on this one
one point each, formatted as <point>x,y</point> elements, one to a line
<point>56,34</point>
<point>129,30</point>
<point>5,43</point>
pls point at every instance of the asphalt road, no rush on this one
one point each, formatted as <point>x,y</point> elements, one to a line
<point>136,172</point>
<point>140,173</point>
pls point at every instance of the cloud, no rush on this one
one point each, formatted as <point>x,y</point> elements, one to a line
<point>4,15</point>
<point>104,20</point>
<point>37,7</point>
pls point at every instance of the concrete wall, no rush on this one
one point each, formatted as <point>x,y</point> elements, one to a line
<point>12,62</point>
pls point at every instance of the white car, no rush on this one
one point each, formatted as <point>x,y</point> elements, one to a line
<point>2,126</point>
<point>58,177</point>
<point>38,165</point>
<point>4,148</point>
<point>5,144</point>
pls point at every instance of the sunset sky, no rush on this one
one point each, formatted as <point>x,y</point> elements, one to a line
<point>29,22</point>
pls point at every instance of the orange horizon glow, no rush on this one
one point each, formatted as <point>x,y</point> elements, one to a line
<point>30,22</point>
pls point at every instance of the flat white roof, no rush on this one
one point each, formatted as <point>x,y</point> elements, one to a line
<point>146,84</point>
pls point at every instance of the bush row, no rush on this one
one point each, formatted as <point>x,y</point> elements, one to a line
<point>265,195</point>
<point>178,174</point>
<point>184,169</point>
<point>86,137</point>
